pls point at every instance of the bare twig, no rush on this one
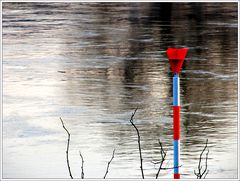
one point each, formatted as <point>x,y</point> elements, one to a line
<point>203,173</point>
<point>205,170</point>
<point>69,170</point>
<point>163,155</point>
<point>139,145</point>
<point>163,158</point>
<point>170,168</point>
<point>165,168</point>
<point>82,173</point>
<point>109,164</point>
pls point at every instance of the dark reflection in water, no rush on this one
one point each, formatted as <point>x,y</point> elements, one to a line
<point>94,63</point>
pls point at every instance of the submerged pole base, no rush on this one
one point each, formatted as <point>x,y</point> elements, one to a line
<point>176,176</point>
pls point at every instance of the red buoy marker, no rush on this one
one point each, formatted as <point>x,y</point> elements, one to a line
<point>176,57</point>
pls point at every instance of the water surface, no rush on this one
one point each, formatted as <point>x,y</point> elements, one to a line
<point>93,63</point>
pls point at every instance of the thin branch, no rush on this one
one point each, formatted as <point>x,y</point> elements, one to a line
<point>82,173</point>
<point>70,173</point>
<point>163,155</point>
<point>109,164</point>
<point>200,159</point>
<point>165,168</point>
<point>206,174</point>
<point>200,174</point>
<point>205,165</point>
<point>170,168</point>
<point>139,145</point>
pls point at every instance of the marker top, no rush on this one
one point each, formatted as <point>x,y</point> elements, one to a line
<point>176,57</point>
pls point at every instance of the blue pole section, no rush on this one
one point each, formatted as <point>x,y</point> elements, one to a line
<point>176,156</point>
<point>176,97</point>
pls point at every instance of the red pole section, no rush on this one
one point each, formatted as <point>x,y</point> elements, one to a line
<point>176,122</point>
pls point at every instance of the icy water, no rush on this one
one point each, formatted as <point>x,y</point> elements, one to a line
<point>93,63</point>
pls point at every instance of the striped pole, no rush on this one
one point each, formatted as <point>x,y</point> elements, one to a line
<point>176,125</point>
<point>176,58</point>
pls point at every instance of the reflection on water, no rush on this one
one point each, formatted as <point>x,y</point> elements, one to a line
<point>93,64</point>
